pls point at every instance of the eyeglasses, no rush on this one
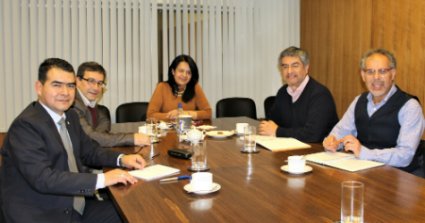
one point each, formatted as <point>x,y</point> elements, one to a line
<point>382,71</point>
<point>93,82</point>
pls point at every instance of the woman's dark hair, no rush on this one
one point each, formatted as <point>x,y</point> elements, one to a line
<point>189,92</point>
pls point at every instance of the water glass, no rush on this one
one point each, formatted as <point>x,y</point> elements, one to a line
<point>249,145</point>
<point>352,202</point>
<point>152,130</point>
<point>199,156</point>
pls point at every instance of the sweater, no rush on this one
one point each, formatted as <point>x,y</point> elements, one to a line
<point>310,118</point>
<point>163,100</point>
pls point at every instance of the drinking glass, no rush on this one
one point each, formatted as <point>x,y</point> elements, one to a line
<point>199,156</point>
<point>152,129</point>
<point>249,140</point>
<point>352,202</point>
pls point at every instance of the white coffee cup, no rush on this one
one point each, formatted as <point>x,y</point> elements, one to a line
<point>296,164</point>
<point>240,128</point>
<point>142,129</point>
<point>201,181</point>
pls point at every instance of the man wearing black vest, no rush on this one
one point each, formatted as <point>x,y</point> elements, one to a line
<point>304,109</point>
<point>384,124</point>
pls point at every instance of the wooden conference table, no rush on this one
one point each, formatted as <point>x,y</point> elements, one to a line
<point>254,189</point>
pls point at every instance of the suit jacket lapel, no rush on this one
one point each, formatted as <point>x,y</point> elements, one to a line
<point>51,126</point>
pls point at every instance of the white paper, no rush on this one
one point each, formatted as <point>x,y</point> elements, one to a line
<point>340,160</point>
<point>280,143</point>
<point>154,172</point>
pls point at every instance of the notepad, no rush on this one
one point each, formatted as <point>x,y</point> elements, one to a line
<point>340,160</point>
<point>280,143</point>
<point>154,172</point>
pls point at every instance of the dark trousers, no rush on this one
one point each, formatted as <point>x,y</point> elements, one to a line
<point>97,211</point>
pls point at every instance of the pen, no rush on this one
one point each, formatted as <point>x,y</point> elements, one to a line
<point>154,156</point>
<point>184,177</point>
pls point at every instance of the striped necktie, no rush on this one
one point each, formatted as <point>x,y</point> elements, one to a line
<point>79,201</point>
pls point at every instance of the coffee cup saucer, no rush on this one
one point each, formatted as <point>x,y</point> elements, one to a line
<point>189,189</point>
<point>307,169</point>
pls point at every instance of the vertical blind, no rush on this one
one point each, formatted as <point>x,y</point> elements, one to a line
<point>136,40</point>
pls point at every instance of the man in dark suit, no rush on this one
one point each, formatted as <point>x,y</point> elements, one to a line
<point>91,78</point>
<point>42,176</point>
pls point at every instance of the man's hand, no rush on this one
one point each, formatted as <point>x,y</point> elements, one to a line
<point>118,176</point>
<point>133,161</point>
<point>352,144</point>
<point>331,143</point>
<point>267,128</point>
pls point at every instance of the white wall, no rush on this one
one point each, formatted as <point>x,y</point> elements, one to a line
<point>30,33</point>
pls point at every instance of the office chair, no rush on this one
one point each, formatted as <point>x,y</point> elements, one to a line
<point>268,104</point>
<point>105,110</point>
<point>131,112</point>
<point>233,107</point>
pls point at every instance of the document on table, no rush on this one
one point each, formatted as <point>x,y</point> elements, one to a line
<point>154,172</point>
<point>340,160</point>
<point>280,143</point>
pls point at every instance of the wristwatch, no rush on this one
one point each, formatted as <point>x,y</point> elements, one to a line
<point>120,161</point>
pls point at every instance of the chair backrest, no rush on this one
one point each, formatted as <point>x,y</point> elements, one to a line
<point>233,107</point>
<point>105,110</point>
<point>268,104</point>
<point>131,112</point>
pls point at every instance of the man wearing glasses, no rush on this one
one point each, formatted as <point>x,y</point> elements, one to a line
<point>42,176</point>
<point>384,124</point>
<point>95,122</point>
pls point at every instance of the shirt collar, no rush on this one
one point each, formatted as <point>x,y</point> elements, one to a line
<point>55,116</point>
<point>86,101</point>
<point>297,92</point>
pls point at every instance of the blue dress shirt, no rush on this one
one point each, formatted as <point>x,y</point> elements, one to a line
<point>412,123</point>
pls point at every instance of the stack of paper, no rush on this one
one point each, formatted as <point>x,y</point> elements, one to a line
<point>154,172</point>
<point>280,143</point>
<point>340,160</point>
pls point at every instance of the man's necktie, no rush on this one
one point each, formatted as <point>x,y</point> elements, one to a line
<point>79,201</point>
<point>93,115</point>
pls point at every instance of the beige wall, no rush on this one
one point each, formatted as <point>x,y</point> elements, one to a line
<point>337,32</point>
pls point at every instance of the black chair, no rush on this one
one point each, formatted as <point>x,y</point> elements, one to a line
<point>105,110</point>
<point>233,107</point>
<point>131,112</point>
<point>268,104</point>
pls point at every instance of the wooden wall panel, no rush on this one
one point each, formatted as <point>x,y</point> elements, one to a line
<point>400,27</point>
<point>336,33</point>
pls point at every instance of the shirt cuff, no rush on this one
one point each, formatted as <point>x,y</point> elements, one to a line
<point>100,182</point>
<point>365,153</point>
<point>119,161</point>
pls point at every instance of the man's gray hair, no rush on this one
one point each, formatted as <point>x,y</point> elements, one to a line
<point>293,51</point>
<point>384,52</point>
